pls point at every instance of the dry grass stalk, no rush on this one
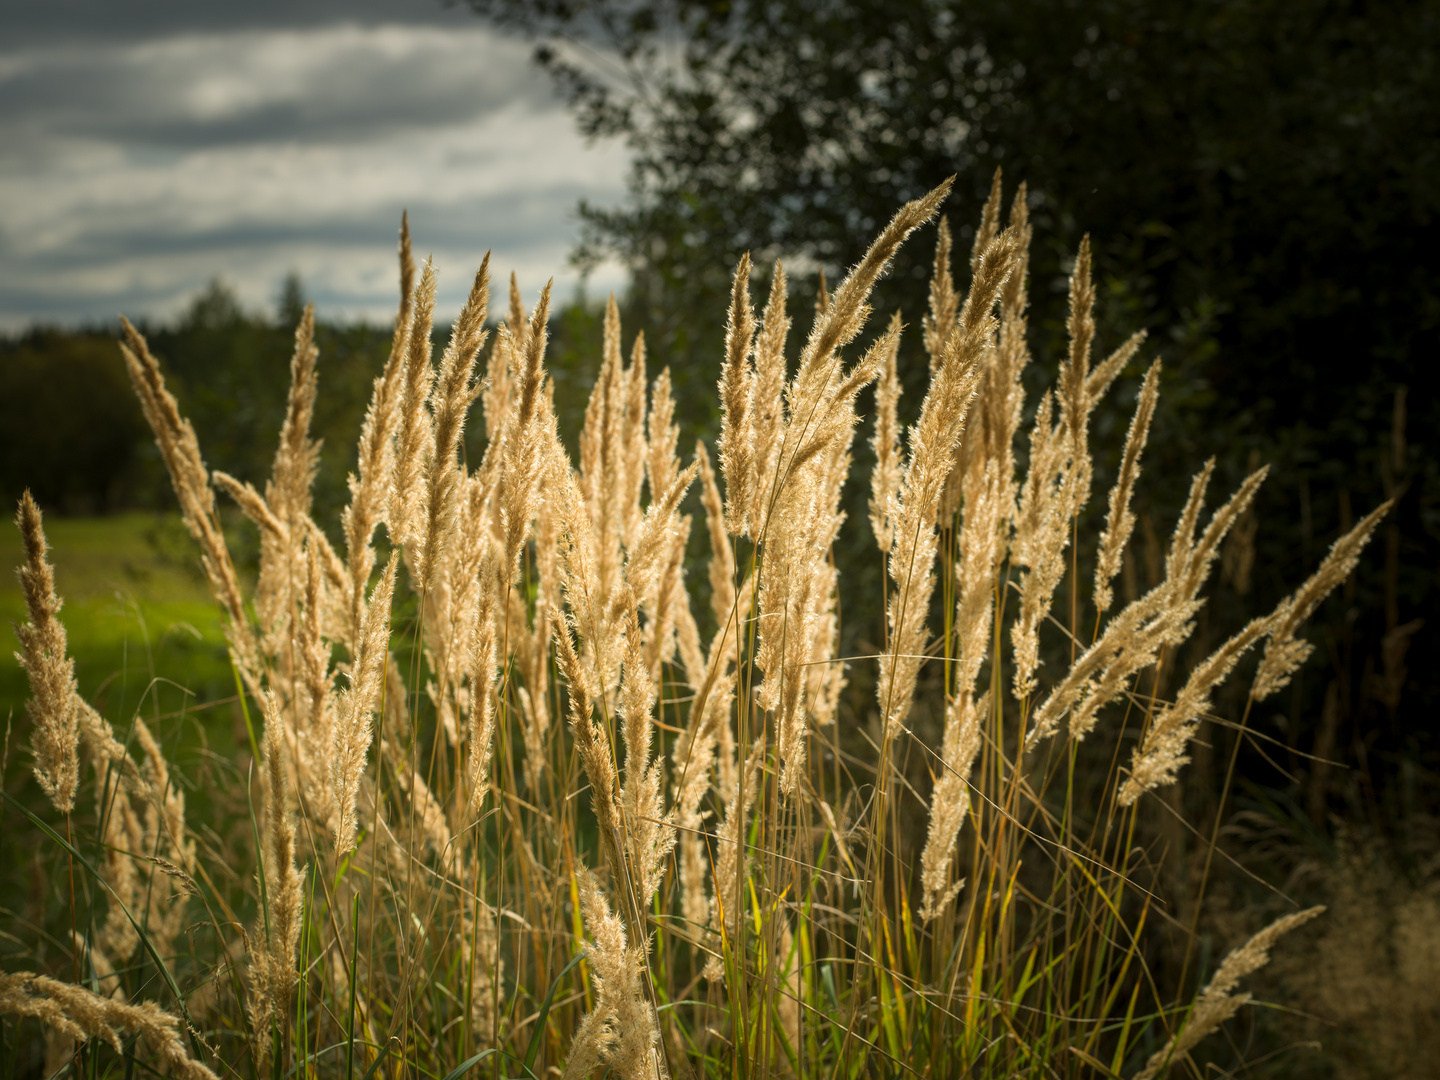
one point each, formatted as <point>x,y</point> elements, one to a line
<point>122,831</point>
<point>635,449</point>
<point>353,730</point>
<point>1120,520</point>
<point>840,323</point>
<point>636,833</point>
<point>120,789</point>
<point>315,698</point>
<point>983,477</point>
<point>692,759</point>
<point>1041,534</point>
<point>450,399</point>
<point>287,498</point>
<point>1283,652</point>
<point>793,511</point>
<point>944,300</point>
<point>620,1031</point>
<point>1058,483</point>
<point>766,414</point>
<point>180,451</point>
<point>414,436</point>
<point>1005,396</point>
<point>950,801</point>
<point>797,581</point>
<point>481,729</point>
<point>989,226</point>
<point>981,551</point>
<point>602,458</point>
<point>167,848</point>
<point>662,463</point>
<point>885,477</point>
<point>534,655</point>
<point>942,290</point>
<point>81,1014</point>
<point>932,441</point>
<point>53,705</point>
<point>142,813</point>
<point>370,485</point>
<point>1162,753</point>
<point>1218,1001</point>
<point>272,963</point>
<point>737,385</point>
<point>727,902</point>
<point>713,679</point>
<point>648,830</point>
<point>1133,638</point>
<point>530,436</point>
<point>591,742</point>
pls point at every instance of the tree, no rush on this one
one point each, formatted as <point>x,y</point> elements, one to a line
<point>216,307</point>
<point>1231,158</point>
<point>70,429</point>
<point>290,305</point>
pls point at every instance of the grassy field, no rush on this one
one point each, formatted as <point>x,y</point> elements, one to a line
<point>140,620</point>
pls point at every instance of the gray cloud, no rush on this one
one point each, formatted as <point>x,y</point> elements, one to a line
<point>28,22</point>
<point>189,91</point>
<point>135,168</point>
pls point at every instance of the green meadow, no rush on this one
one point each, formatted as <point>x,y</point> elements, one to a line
<point>142,627</point>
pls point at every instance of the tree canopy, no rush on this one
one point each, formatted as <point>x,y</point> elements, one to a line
<point>1257,174</point>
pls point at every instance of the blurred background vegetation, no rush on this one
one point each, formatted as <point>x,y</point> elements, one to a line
<point>1260,179</point>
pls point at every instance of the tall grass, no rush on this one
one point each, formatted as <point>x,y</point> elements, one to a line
<point>505,810</point>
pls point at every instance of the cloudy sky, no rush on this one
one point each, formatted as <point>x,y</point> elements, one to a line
<point>147,146</point>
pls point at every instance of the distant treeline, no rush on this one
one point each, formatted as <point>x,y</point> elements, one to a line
<point>71,430</point>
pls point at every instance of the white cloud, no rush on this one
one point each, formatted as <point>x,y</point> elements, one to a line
<point>131,174</point>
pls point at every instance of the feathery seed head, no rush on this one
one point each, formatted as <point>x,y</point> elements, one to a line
<point>450,399</point>
<point>885,477</point>
<point>1284,653</point>
<point>54,702</point>
<point>1163,751</point>
<point>415,435</point>
<point>663,462</point>
<point>353,730</point>
<point>180,450</point>
<point>944,301</point>
<point>1120,521</point>
<point>989,221</point>
<point>848,310</point>
<point>1218,1001</point>
<point>736,387</point>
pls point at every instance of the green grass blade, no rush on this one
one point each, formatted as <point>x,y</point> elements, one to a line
<point>145,939</point>
<point>533,1050</point>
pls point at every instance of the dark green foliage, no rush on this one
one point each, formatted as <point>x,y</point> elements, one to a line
<point>73,432</point>
<point>70,428</point>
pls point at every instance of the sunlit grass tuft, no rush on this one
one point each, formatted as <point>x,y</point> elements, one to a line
<point>490,801</point>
